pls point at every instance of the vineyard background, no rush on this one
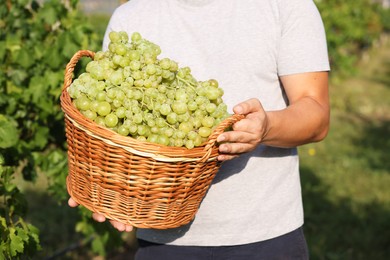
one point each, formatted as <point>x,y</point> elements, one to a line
<point>345,178</point>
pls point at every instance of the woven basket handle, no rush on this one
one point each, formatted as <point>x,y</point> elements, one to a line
<point>217,131</point>
<point>72,64</point>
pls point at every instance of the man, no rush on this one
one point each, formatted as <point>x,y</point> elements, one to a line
<point>270,57</point>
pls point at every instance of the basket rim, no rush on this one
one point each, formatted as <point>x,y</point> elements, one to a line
<point>156,156</point>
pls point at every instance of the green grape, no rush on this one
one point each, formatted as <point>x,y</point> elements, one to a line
<point>137,118</point>
<point>111,93</point>
<point>153,138</point>
<point>165,63</point>
<point>151,69</point>
<point>120,95</point>
<point>211,107</point>
<point>101,96</point>
<point>172,118</point>
<point>208,121</point>
<point>111,120</point>
<point>117,59</point>
<point>111,47</point>
<point>165,109</point>
<point>173,66</point>
<point>180,134</point>
<point>186,127</point>
<point>120,49</point>
<point>192,105</point>
<point>117,103</point>
<point>168,131</point>
<point>133,128</point>
<point>154,129</point>
<point>100,121</point>
<point>198,140</point>
<point>192,135</point>
<point>196,122</point>
<point>142,130</point>
<point>160,122</point>
<point>163,139</point>
<point>83,103</point>
<point>90,114</point>
<point>94,105</point>
<point>134,55</point>
<point>120,112</point>
<point>136,75</point>
<point>123,130</point>
<point>104,108</point>
<point>213,83</point>
<point>179,107</point>
<point>99,55</point>
<point>114,36</point>
<point>212,93</point>
<point>141,138</point>
<point>204,131</point>
<point>162,88</point>
<point>135,65</point>
<point>181,95</point>
<point>124,37</point>
<point>178,142</point>
<point>136,37</point>
<point>189,144</point>
<point>139,83</point>
<point>116,77</point>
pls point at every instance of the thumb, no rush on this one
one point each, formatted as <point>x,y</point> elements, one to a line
<point>249,106</point>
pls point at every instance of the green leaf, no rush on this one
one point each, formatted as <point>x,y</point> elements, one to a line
<point>40,139</point>
<point>17,244</point>
<point>49,15</point>
<point>8,133</point>
<point>23,234</point>
<point>25,59</point>
<point>3,249</point>
<point>13,42</point>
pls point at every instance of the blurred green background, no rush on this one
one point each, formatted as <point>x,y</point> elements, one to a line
<point>345,178</point>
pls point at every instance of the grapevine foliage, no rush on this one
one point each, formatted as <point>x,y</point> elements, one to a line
<point>352,26</point>
<point>37,40</point>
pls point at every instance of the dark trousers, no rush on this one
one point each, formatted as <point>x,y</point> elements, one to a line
<point>289,246</point>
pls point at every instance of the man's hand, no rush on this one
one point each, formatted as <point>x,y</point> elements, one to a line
<point>100,218</point>
<point>247,133</point>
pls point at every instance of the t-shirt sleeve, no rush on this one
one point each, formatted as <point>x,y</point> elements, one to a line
<point>303,45</point>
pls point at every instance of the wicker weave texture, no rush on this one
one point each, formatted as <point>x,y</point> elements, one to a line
<point>137,183</point>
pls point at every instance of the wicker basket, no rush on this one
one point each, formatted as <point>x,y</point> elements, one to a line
<point>137,183</point>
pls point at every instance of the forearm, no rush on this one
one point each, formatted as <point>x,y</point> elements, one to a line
<point>303,122</point>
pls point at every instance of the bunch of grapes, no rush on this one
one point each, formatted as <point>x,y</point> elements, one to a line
<point>129,90</point>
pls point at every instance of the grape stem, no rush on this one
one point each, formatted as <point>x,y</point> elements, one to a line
<point>186,82</point>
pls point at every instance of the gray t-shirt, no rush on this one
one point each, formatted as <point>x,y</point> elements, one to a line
<point>246,46</point>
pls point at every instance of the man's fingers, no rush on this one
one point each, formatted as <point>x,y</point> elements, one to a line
<point>238,137</point>
<point>98,217</point>
<point>120,226</point>
<point>226,157</point>
<point>235,148</point>
<point>72,203</point>
<point>129,228</point>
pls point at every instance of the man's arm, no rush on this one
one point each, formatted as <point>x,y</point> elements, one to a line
<point>305,120</point>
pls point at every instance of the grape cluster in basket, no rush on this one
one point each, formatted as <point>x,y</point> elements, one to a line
<point>130,90</point>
